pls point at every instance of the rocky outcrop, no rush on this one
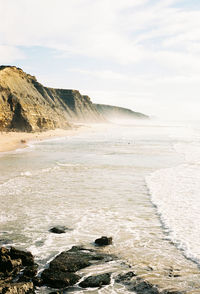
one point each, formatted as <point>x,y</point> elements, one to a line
<point>17,269</point>
<point>140,286</point>
<point>26,105</point>
<point>59,230</point>
<point>103,241</point>
<point>96,281</point>
<point>62,269</point>
<point>114,112</point>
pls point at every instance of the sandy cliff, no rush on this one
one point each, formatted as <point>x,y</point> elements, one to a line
<point>26,105</point>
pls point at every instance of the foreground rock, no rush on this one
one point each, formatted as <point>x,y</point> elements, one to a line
<point>103,241</point>
<point>96,281</point>
<point>15,288</point>
<point>61,270</point>
<point>17,269</point>
<point>59,279</point>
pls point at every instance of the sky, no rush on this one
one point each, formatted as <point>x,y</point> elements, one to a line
<point>139,54</point>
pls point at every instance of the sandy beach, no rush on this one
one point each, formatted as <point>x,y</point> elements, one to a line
<point>10,141</point>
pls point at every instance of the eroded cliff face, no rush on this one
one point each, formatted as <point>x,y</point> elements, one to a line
<point>26,105</point>
<point>113,112</point>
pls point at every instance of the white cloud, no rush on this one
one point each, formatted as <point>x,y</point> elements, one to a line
<point>139,46</point>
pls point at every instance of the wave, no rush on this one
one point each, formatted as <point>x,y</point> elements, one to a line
<point>175,193</point>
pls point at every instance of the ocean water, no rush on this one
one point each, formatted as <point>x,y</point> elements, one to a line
<point>138,183</point>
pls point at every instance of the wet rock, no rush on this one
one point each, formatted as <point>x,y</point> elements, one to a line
<point>59,230</point>
<point>103,241</point>
<point>96,281</point>
<point>28,273</point>
<point>58,278</point>
<point>125,277</point>
<point>37,281</point>
<point>25,256</point>
<point>15,288</point>
<point>135,284</point>
<point>142,287</point>
<point>15,277</point>
<point>8,266</point>
<point>60,273</point>
<point>77,258</point>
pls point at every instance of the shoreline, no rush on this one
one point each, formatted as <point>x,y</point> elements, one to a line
<point>11,141</point>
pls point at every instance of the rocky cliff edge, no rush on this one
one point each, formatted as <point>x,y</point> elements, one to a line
<point>26,105</point>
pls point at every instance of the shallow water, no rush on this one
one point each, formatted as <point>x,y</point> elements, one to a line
<point>136,183</point>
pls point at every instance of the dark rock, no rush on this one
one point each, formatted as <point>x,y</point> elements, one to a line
<point>28,273</point>
<point>15,277</point>
<point>25,256</point>
<point>61,270</point>
<point>124,277</point>
<point>142,287</point>
<point>31,271</point>
<point>58,278</point>
<point>135,284</point>
<point>103,241</point>
<point>14,288</point>
<point>96,281</point>
<point>7,265</point>
<point>59,230</point>
<point>77,258</point>
<point>4,251</point>
<point>37,281</point>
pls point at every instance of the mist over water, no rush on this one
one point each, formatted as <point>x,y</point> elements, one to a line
<point>138,183</point>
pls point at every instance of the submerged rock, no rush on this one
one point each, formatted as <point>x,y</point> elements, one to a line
<point>96,281</point>
<point>136,284</point>
<point>59,230</point>
<point>143,287</point>
<point>103,241</point>
<point>123,278</point>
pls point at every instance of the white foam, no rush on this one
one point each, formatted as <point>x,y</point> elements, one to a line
<point>26,173</point>
<point>68,164</point>
<point>175,192</point>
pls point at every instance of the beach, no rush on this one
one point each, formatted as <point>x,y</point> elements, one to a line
<point>120,181</point>
<point>10,141</point>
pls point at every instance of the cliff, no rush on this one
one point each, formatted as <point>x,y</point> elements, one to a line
<point>114,112</point>
<point>26,105</point>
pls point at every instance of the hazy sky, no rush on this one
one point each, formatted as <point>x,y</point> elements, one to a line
<point>141,54</point>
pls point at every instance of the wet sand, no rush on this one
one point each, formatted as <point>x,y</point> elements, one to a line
<point>10,141</point>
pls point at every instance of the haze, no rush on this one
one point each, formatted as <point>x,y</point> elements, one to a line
<point>140,54</point>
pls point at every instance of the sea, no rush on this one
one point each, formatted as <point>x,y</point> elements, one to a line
<point>137,182</point>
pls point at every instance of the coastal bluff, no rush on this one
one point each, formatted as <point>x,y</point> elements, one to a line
<point>114,112</point>
<point>28,106</point>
